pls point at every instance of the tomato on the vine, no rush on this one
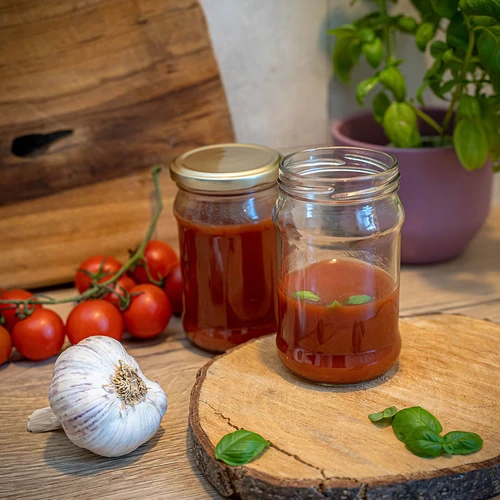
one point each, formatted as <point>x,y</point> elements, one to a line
<point>8,311</point>
<point>119,288</point>
<point>5,345</point>
<point>160,259</point>
<point>97,268</point>
<point>148,313</point>
<point>173,289</point>
<point>40,335</point>
<point>94,317</point>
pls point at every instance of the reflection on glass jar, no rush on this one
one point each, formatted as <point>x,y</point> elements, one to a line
<point>338,219</point>
<point>227,243</point>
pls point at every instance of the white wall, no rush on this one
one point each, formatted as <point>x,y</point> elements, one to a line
<point>274,57</point>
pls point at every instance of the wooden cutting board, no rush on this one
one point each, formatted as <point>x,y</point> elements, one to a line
<point>322,443</point>
<point>94,93</point>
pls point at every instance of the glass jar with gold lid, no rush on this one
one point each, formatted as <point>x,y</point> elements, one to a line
<point>227,242</point>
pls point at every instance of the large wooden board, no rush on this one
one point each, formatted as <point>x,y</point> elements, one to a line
<point>324,446</point>
<point>136,82</point>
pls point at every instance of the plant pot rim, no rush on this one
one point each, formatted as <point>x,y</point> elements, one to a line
<point>337,124</point>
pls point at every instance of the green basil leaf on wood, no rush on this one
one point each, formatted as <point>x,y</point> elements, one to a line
<point>334,305</point>
<point>438,48</point>
<point>240,447</point>
<point>410,418</point>
<point>387,413</point>
<point>424,442</point>
<point>366,35</point>
<point>462,443</point>
<point>469,107</point>
<point>470,139</point>
<point>401,126</point>
<point>345,56</point>
<point>345,30</point>
<point>407,24</point>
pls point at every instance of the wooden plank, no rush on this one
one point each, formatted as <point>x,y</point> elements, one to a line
<point>469,279</point>
<point>137,83</point>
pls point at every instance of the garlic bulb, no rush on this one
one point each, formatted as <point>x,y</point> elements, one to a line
<point>102,399</point>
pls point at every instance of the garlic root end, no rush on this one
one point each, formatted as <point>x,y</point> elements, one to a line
<point>43,420</point>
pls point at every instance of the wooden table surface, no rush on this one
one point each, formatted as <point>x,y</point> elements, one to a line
<point>47,465</point>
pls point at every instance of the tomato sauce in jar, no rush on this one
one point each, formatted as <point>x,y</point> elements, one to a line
<point>229,295</point>
<point>227,243</point>
<point>325,338</point>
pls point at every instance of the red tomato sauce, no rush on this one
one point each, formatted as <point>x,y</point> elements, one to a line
<point>229,282</point>
<point>345,344</point>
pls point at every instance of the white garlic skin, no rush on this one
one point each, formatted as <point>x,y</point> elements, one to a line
<point>84,400</point>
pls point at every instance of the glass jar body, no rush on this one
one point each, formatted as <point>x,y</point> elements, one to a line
<point>338,284</point>
<point>228,260</point>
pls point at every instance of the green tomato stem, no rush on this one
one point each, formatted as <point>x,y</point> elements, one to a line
<point>99,287</point>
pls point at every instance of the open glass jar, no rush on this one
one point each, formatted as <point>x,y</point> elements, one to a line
<point>338,220</point>
<point>227,242</point>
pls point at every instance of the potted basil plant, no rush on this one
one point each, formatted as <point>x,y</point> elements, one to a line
<point>447,155</point>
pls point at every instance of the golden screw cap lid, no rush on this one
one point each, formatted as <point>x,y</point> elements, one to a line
<point>226,167</point>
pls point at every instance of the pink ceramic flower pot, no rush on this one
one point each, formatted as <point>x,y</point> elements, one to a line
<point>445,205</point>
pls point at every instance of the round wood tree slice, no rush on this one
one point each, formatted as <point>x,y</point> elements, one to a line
<point>322,442</point>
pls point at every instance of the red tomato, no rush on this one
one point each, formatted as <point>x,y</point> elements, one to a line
<point>40,335</point>
<point>8,311</point>
<point>160,259</point>
<point>92,265</point>
<point>121,287</point>
<point>148,313</point>
<point>173,289</point>
<point>5,345</point>
<point>94,317</point>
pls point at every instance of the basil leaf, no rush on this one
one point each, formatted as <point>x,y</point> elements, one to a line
<point>457,34</point>
<point>462,443</point>
<point>356,300</point>
<point>488,48</point>
<point>393,80</point>
<point>380,104</point>
<point>468,107</point>
<point>387,413</point>
<point>424,442</point>
<point>364,87</point>
<point>420,92</point>
<point>407,24</point>
<point>374,52</point>
<point>470,139</point>
<point>334,305</point>
<point>345,55</point>
<point>481,7</point>
<point>425,33</point>
<point>405,421</point>
<point>400,125</point>
<point>445,8</point>
<point>438,48</point>
<point>344,30</point>
<point>240,447</point>
<point>306,295</point>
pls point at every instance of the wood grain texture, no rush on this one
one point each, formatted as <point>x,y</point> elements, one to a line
<point>322,443</point>
<point>137,83</point>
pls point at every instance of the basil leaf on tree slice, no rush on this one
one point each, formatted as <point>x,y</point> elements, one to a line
<point>405,421</point>
<point>356,300</point>
<point>462,443</point>
<point>240,447</point>
<point>424,442</point>
<point>306,295</point>
<point>387,413</point>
